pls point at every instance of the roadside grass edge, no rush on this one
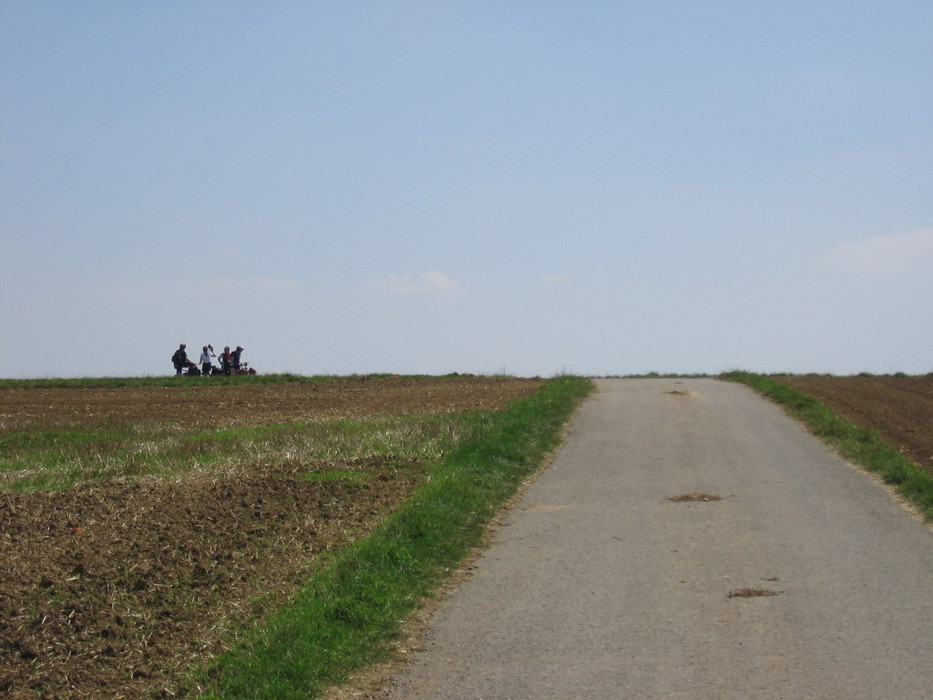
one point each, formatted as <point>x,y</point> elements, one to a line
<point>348,615</point>
<point>863,446</point>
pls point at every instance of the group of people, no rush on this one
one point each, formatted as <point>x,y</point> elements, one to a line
<point>229,361</point>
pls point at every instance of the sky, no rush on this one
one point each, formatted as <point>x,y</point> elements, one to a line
<point>432,186</point>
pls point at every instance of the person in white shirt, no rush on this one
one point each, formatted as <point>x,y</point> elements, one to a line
<point>206,354</point>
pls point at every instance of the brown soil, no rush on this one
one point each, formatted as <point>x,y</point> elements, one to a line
<point>211,405</point>
<point>900,408</point>
<point>116,589</point>
<point>694,498</point>
<point>752,593</point>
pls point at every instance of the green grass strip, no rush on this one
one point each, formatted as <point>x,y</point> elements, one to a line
<point>348,615</point>
<point>863,446</point>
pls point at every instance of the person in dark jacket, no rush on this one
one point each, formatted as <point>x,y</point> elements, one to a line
<point>180,358</point>
<point>226,360</point>
<point>236,358</point>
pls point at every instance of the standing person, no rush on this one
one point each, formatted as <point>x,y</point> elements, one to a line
<point>236,358</point>
<point>226,360</point>
<point>180,358</point>
<point>207,352</point>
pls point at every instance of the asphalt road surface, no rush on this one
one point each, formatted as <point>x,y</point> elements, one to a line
<point>599,585</point>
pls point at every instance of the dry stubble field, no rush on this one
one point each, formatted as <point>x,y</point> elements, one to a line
<point>113,589</point>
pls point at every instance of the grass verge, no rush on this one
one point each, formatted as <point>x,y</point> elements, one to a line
<point>58,459</point>
<point>863,446</point>
<point>348,615</point>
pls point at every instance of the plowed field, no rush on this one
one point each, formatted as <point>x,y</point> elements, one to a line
<point>900,408</point>
<point>114,589</point>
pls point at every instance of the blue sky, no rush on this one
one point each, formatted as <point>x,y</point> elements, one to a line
<point>433,187</point>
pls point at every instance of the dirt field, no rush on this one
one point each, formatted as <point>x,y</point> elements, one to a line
<point>900,408</point>
<point>115,589</point>
<point>207,405</point>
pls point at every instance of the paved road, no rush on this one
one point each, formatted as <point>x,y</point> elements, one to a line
<point>598,586</point>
